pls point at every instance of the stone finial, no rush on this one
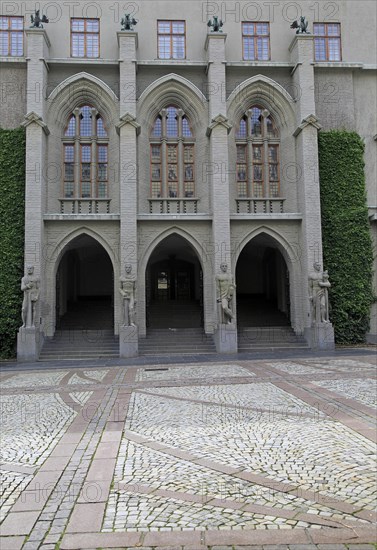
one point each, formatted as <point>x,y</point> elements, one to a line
<point>37,20</point>
<point>215,24</point>
<point>128,22</point>
<point>301,26</point>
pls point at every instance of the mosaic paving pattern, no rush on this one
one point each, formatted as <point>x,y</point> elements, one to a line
<point>31,425</point>
<point>347,365</point>
<point>294,368</point>
<point>318,455</point>
<point>152,513</point>
<point>11,485</point>
<point>258,397</point>
<point>192,371</point>
<point>98,375</point>
<point>76,379</point>
<point>140,466</point>
<point>81,397</point>
<point>364,391</point>
<point>31,380</point>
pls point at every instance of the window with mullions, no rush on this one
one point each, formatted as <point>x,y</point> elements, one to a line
<point>171,37</point>
<point>84,37</point>
<point>327,42</point>
<point>257,165</point>
<point>172,155</point>
<point>11,36</point>
<point>256,41</point>
<point>85,145</point>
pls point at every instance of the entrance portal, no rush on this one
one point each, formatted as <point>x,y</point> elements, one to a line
<point>174,286</point>
<point>84,287</point>
<point>262,285</point>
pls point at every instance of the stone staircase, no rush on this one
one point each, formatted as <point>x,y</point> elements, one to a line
<point>269,339</point>
<point>80,344</point>
<point>176,341</point>
<point>174,314</point>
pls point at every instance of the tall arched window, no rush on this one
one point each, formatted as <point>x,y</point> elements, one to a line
<point>85,145</point>
<point>257,141</point>
<point>172,155</point>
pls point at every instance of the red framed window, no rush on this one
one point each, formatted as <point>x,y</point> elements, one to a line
<point>85,37</point>
<point>256,41</point>
<point>327,45</point>
<point>11,36</point>
<point>171,38</point>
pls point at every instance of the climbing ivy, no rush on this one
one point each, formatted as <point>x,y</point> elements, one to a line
<point>347,244</point>
<point>12,212</point>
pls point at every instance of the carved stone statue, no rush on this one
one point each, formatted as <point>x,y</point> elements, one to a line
<point>225,292</point>
<point>30,288</point>
<point>128,22</point>
<point>318,290</point>
<point>215,24</point>
<point>301,26</point>
<point>128,293</point>
<point>37,20</point>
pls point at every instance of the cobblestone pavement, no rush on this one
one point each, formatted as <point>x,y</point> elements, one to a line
<point>274,454</point>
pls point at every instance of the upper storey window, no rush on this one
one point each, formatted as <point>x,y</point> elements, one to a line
<point>84,37</point>
<point>257,142</point>
<point>327,42</point>
<point>85,155</point>
<point>11,36</point>
<point>172,155</point>
<point>256,41</point>
<point>171,39</point>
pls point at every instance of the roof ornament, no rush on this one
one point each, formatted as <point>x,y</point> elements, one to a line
<point>301,26</point>
<point>37,20</point>
<point>215,24</point>
<point>128,22</point>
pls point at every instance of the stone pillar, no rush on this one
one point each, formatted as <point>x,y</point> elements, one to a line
<point>306,132</point>
<point>218,177</point>
<point>128,131</point>
<point>30,340</point>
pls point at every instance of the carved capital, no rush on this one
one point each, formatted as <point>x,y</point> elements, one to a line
<point>310,120</point>
<point>127,118</point>
<point>219,120</point>
<point>31,118</point>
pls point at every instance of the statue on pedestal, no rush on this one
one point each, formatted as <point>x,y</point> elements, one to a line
<point>318,291</point>
<point>215,24</point>
<point>37,20</point>
<point>225,292</point>
<point>301,26</point>
<point>128,293</point>
<point>128,22</point>
<point>30,288</point>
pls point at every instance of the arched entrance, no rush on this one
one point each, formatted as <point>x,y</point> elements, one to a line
<point>84,287</point>
<point>174,286</point>
<point>262,278</point>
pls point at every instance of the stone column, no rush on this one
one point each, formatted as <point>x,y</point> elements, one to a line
<point>128,131</point>
<point>218,179</point>
<point>301,51</point>
<point>30,340</point>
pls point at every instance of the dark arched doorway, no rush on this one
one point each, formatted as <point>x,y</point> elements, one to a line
<point>174,286</point>
<point>84,287</point>
<point>262,285</point>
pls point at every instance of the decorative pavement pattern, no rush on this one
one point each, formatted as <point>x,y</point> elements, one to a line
<point>245,454</point>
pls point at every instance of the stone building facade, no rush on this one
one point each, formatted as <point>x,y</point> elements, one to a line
<point>177,149</point>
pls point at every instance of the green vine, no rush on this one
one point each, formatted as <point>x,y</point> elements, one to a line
<point>347,244</point>
<point>12,212</point>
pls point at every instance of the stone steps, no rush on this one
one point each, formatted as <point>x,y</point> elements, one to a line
<point>80,344</point>
<point>176,342</point>
<point>269,338</point>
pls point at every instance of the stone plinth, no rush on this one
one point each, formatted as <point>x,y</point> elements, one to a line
<point>128,341</point>
<point>321,336</point>
<point>29,343</point>
<point>226,338</point>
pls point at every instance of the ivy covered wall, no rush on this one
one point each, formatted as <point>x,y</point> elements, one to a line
<point>347,245</point>
<point>12,212</point>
